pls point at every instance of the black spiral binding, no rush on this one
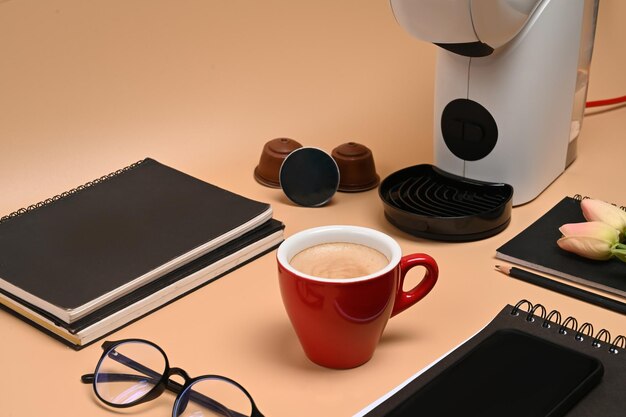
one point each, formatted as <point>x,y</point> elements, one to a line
<point>581,333</point>
<point>64,194</point>
<point>581,198</point>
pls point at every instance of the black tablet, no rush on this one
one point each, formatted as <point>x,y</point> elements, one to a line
<point>510,373</point>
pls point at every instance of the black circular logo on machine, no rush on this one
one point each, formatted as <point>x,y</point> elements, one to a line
<point>468,129</point>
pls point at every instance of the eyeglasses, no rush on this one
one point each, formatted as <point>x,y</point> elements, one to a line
<point>134,371</point>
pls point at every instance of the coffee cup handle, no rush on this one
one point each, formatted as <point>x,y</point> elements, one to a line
<point>405,299</point>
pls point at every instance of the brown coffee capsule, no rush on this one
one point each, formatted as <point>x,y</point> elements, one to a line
<point>356,167</point>
<point>274,153</point>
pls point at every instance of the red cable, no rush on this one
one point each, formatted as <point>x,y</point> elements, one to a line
<point>606,102</point>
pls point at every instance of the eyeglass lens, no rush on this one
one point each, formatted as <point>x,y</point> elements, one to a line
<point>212,396</point>
<point>129,372</point>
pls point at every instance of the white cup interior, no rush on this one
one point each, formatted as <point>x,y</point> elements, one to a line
<point>339,233</point>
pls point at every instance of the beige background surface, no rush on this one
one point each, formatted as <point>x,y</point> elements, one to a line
<point>89,87</point>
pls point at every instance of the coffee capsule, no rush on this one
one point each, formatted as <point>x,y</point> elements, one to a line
<point>356,167</point>
<point>274,153</point>
<point>309,177</point>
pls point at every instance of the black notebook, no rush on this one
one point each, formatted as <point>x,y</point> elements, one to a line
<point>536,248</point>
<point>527,362</point>
<point>72,254</point>
<point>154,295</point>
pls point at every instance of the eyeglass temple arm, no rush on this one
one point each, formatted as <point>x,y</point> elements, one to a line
<point>110,377</point>
<point>173,386</point>
<point>125,360</point>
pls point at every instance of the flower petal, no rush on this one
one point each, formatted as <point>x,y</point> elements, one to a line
<point>587,247</point>
<point>597,210</point>
<point>593,230</point>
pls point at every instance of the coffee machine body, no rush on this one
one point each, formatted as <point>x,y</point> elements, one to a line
<point>511,83</point>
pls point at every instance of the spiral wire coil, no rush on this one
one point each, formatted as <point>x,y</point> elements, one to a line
<point>581,332</point>
<point>67,193</point>
<point>581,198</point>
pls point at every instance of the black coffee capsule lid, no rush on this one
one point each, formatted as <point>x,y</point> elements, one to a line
<point>428,202</point>
<point>309,177</point>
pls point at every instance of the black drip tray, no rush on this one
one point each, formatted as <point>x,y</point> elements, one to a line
<point>428,202</point>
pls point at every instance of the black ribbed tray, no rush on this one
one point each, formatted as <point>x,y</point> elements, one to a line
<point>428,202</point>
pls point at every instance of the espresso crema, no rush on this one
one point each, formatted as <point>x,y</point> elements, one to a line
<point>339,260</point>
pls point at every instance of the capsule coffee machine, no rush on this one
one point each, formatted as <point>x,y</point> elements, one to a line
<point>511,85</point>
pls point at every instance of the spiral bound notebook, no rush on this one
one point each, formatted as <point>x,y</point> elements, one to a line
<point>526,362</point>
<point>72,254</point>
<point>535,247</point>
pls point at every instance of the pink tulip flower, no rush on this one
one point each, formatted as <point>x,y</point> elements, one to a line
<point>599,211</point>
<point>593,240</point>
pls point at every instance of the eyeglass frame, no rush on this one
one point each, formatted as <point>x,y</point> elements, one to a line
<point>164,380</point>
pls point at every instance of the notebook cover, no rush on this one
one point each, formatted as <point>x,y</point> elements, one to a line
<point>204,262</point>
<point>535,247</point>
<point>93,241</point>
<point>607,399</point>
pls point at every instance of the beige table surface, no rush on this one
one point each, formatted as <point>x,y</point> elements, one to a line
<point>87,87</point>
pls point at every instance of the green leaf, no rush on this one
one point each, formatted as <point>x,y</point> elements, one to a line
<point>619,251</point>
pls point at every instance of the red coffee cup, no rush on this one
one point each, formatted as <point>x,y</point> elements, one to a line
<point>339,321</point>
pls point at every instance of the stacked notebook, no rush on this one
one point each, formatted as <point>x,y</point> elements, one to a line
<point>87,262</point>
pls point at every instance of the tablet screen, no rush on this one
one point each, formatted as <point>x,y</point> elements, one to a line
<point>511,373</point>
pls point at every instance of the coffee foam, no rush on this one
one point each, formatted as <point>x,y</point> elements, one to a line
<point>338,260</point>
